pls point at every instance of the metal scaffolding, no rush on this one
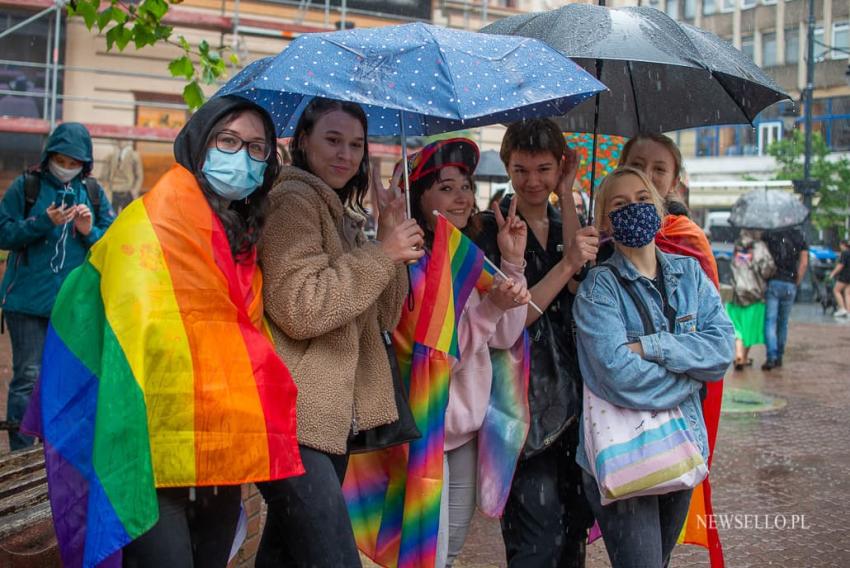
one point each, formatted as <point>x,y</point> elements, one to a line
<point>229,21</point>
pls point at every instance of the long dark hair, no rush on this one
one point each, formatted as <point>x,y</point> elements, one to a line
<point>418,188</point>
<point>353,192</point>
<point>243,219</point>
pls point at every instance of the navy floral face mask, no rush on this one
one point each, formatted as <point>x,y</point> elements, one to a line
<point>635,224</point>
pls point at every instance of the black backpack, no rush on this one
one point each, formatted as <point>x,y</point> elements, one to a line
<point>32,187</point>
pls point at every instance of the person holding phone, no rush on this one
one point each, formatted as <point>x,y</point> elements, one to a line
<point>47,223</point>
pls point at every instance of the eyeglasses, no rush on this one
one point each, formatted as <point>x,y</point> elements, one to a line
<point>230,144</point>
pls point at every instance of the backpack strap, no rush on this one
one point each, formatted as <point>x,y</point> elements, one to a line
<point>646,320</point>
<point>32,187</point>
<point>93,189</point>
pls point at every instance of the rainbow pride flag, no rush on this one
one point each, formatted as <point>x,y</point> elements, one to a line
<point>393,495</point>
<point>680,235</point>
<point>505,427</point>
<point>456,266</point>
<point>157,373</point>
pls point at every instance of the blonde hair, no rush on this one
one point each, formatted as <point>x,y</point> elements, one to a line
<point>602,194</point>
<point>665,141</point>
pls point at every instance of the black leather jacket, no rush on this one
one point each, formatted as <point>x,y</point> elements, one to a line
<point>554,391</point>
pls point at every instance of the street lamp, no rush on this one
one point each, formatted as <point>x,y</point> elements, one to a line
<point>807,186</point>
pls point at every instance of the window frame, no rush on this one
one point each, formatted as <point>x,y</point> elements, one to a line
<point>775,46</point>
<point>751,38</point>
<point>796,60</point>
<point>769,131</point>
<point>843,26</point>
<point>824,52</point>
<point>667,6</point>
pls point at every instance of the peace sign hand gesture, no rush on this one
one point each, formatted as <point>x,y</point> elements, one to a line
<point>389,202</point>
<point>513,234</point>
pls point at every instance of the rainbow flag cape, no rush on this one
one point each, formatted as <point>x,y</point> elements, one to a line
<point>506,423</point>
<point>456,266</point>
<point>157,373</point>
<point>680,235</point>
<point>393,495</point>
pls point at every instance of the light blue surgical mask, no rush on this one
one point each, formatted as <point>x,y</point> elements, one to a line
<point>233,176</point>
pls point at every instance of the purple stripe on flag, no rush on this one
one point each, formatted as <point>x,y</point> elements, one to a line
<point>86,524</point>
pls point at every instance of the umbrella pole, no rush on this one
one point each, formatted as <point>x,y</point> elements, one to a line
<point>404,164</point>
<point>595,130</point>
<point>593,151</point>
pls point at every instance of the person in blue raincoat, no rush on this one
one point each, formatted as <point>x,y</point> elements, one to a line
<point>46,240</point>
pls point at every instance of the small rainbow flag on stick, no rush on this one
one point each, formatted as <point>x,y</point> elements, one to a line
<point>157,373</point>
<point>455,268</point>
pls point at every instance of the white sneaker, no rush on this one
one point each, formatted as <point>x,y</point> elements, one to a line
<point>839,313</point>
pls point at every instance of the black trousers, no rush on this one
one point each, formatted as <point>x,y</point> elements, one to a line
<point>307,524</point>
<point>189,533</point>
<point>547,517</point>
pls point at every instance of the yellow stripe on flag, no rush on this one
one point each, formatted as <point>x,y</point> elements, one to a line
<point>164,357</point>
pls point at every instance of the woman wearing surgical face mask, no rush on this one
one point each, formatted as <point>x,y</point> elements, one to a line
<point>48,222</point>
<point>227,164</point>
<point>692,343</point>
<point>167,314</point>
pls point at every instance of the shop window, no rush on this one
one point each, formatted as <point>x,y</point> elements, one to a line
<point>158,157</point>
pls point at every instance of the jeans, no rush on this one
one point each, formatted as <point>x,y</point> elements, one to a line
<point>190,533</point>
<point>546,518</point>
<point>307,524</point>
<point>457,503</point>
<point>779,299</point>
<point>639,532</point>
<point>27,334</point>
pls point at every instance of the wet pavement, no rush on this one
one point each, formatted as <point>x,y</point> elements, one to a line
<point>790,459</point>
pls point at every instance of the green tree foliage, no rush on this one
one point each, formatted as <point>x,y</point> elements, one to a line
<point>833,199</point>
<point>141,23</point>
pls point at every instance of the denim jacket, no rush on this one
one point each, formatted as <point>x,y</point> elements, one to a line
<point>675,364</point>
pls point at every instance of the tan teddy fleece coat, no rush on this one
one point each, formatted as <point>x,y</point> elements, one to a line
<point>328,293</point>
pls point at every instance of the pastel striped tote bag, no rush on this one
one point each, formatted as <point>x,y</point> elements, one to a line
<point>639,452</point>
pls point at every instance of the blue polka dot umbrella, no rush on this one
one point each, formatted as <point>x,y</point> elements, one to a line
<point>416,79</point>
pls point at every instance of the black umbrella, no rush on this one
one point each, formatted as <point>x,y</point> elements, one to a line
<point>490,168</point>
<point>662,75</point>
<point>768,209</point>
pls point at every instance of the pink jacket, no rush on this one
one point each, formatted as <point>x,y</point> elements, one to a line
<point>482,325</point>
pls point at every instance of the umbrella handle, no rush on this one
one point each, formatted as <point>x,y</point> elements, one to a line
<point>405,173</point>
<point>404,164</point>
